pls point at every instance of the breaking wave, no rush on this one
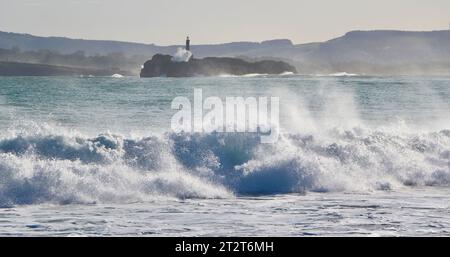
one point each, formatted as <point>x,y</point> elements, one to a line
<point>338,74</point>
<point>182,55</point>
<point>250,75</point>
<point>67,167</point>
<point>255,75</point>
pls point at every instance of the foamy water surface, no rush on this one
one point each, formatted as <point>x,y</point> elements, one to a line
<point>95,156</point>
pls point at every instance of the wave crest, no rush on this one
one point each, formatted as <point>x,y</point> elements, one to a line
<point>66,168</point>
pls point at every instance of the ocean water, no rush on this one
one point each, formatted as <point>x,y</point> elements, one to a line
<point>356,155</point>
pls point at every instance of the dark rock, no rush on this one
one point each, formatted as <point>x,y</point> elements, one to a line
<point>162,65</point>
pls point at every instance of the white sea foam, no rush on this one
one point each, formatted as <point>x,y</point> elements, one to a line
<point>338,74</point>
<point>66,167</point>
<point>250,75</point>
<point>324,149</point>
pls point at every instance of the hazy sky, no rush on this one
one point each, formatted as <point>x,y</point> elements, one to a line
<point>215,21</point>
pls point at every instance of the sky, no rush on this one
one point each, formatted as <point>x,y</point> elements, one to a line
<point>167,22</point>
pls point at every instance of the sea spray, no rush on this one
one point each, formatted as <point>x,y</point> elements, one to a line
<point>109,168</point>
<point>233,115</point>
<point>181,55</point>
<point>338,134</point>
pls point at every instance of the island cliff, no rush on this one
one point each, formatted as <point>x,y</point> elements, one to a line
<point>164,66</point>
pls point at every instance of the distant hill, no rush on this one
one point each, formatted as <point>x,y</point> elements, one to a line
<point>382,52</point>
<point>366,52</point>
<point>64,45</point>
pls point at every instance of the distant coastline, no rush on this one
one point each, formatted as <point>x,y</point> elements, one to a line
<point>33,69</point>
<point>379,52</point>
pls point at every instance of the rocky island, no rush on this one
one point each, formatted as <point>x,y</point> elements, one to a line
<point>164,66</point>
<point>182,64</point>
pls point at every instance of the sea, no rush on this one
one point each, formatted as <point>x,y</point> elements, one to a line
<point>97,156</point>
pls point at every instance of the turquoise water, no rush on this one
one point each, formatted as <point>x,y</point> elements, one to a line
<point>132,104</point>
<point>106,144</point>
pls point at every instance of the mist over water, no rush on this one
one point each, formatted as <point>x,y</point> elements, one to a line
<point>104,140</point>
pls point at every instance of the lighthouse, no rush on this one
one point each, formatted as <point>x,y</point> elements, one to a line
<point>188,44</point>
